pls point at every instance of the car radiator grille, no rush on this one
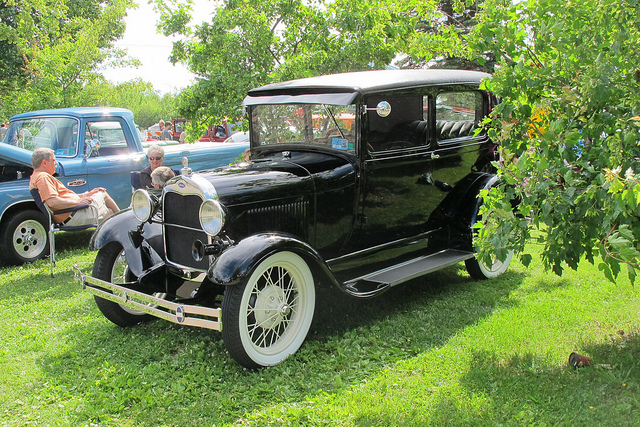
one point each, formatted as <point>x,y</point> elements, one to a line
<point>182,228</point>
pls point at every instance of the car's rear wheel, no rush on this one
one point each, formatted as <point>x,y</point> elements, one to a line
<point>24,237</point>
<point>111,266</point>
<point>267,318</point>
<point>489,267</point>
<point>481,269</point>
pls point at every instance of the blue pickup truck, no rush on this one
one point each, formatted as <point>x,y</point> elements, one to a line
<point>95,147</point>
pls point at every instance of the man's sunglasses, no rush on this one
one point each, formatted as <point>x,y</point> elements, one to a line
<point>155,158</point>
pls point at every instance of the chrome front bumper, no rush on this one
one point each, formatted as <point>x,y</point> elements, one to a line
<point>190,315</point>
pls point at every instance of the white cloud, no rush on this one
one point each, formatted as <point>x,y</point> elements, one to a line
<point>143,42</point>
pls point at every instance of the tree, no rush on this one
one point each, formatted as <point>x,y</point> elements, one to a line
<point>58,52</point>
<point>568,125</point>
<point>146,104</point>
<point>439,38</point>
<point>249,43</point>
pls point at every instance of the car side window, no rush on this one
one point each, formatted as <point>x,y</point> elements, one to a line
<point>108,136</point>
<point>396,123</point>
<point>457,114</point>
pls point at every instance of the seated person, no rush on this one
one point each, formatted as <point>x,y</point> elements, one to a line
<point>159,177</point>
<point>57,196</point>
<point>155,154</point>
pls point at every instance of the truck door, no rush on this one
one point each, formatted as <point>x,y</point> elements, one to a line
<point>110,155</point>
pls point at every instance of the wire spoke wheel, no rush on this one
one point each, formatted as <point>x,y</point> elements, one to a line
<point>267,318</point>
<point>489,266</point>
<point>487,269</point>
<point>111,266</point>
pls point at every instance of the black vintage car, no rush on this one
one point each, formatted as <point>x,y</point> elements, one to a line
<point>361,180</point>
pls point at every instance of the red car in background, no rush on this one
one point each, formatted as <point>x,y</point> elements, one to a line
<point>217,133</point>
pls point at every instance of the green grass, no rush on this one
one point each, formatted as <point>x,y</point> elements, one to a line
<point>443,350</point>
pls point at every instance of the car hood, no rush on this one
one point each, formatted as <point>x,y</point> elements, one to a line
<point>263,181</point>
<point>16,154</point>
<point>266,180</point>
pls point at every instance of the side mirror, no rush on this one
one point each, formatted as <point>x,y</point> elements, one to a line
<point>92,148</point>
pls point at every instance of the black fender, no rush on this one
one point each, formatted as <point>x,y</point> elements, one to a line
<point>142,250</point>
<point>237,262</point>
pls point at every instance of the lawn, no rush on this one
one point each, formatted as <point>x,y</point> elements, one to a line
<point>442,350</point>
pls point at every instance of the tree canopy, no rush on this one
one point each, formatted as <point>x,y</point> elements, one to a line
<point>568,77</point>
<point>248,43</point>
<point>52,50</point>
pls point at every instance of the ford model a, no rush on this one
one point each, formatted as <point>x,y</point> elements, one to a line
<point>360,180</point>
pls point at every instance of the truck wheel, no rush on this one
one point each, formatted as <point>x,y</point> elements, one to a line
<point>24,237</point>
<point>111,266</point>
<point>267,318</point>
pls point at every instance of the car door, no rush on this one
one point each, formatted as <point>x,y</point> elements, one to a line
<point>459,149</point>
<point>397,190</point>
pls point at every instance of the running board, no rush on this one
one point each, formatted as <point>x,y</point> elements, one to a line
<point>379,281</point>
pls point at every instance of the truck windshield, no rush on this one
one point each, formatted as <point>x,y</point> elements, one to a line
<point>330,126</point>
<point>58,133</point>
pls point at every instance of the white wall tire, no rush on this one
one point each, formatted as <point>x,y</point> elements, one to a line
<point>481,270</point>
<point>111,266</point>
<point>267,318</point>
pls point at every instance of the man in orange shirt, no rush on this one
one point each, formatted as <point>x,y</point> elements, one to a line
<point>57,196</point>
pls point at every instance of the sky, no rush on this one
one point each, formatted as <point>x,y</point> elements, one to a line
<point>143,42</point>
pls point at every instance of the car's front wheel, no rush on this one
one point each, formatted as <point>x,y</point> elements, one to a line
<point>111,266</point>
<point>267,318</point>
<point>24,237</point>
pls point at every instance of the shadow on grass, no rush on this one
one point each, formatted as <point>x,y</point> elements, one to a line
<point>523,390</point>
<point>159,373</point>
<point>33,280</point>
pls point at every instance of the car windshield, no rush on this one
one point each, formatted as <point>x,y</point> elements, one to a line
<point>58,133</point>
<point>330,126</point>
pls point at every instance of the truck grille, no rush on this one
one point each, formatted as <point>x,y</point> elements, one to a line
<point>182,228</point>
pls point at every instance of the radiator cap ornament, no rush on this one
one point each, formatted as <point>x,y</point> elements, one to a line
<point>186,170</point>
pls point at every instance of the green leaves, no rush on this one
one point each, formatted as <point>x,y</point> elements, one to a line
<point>251,43</point>
<point>569,141</point>
<point>60,51</point>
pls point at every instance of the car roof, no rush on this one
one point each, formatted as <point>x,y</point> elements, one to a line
<point>372,81</point>
<point>76,112</point>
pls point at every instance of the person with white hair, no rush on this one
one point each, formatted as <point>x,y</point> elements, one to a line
<point>155,154</point>
<point>161,175</point>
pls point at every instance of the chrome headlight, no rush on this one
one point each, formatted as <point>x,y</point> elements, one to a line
<point>143,205</point>
<point>211,216</point>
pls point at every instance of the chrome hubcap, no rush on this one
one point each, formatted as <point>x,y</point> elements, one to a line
<point>29,239</point>
<point>271,308</point>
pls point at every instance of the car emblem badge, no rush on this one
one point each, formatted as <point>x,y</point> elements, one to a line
<point>180,314</point>
<point>181,184</point>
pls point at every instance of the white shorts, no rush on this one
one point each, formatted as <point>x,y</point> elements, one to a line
<point>88,215</point>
